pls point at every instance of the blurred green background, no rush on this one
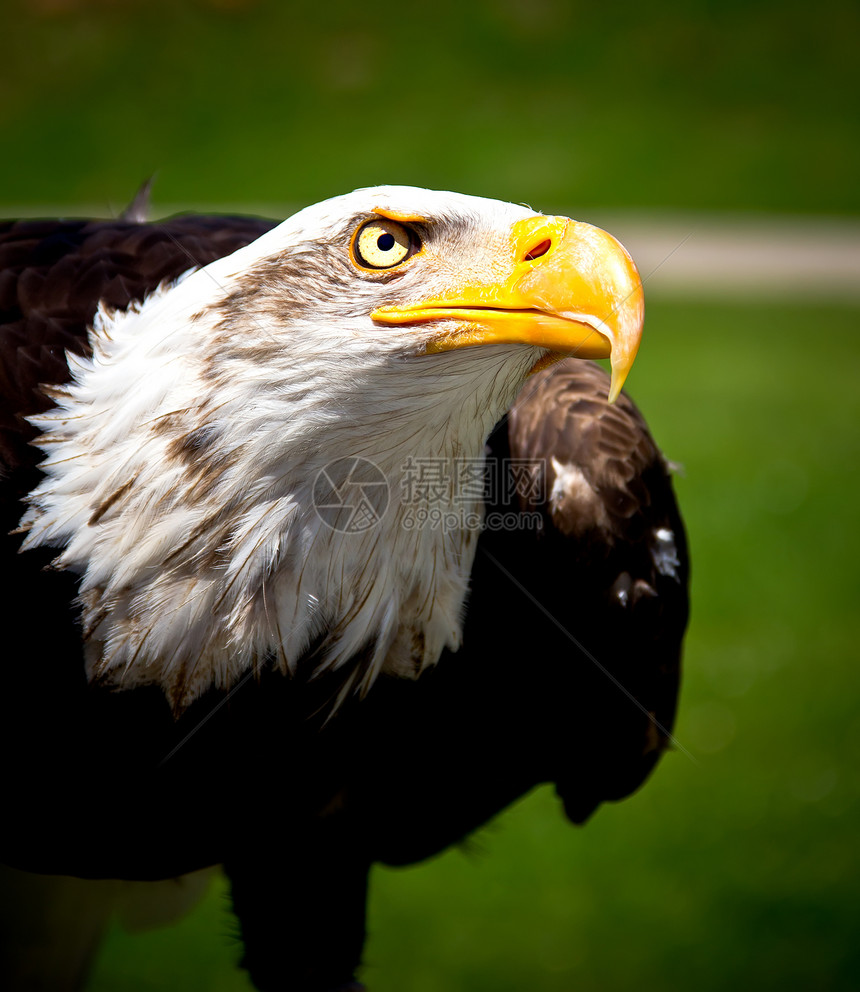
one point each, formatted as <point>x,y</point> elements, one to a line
<point>736,104</point>
<point>740,868</point>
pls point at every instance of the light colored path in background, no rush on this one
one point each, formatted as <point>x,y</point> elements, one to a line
<point>679,254</point>
<point>771,257</point>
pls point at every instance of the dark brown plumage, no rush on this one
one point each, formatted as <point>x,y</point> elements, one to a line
<point>568,674</point>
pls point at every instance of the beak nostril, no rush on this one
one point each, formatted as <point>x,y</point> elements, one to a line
<point>538,250</point>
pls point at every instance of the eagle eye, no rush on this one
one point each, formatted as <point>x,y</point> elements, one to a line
<point>382,244</point>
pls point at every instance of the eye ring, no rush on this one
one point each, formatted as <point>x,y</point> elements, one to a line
<point>383,244</point>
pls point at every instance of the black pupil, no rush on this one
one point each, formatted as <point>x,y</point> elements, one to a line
<point>385,242</point>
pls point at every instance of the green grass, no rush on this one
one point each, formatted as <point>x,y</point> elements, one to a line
<point>740,868</point>
<point>746,104</point>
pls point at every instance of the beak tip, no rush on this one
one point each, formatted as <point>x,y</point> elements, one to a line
<point>619,377</point>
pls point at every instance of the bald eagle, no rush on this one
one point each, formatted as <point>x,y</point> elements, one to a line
<point>256,480</point>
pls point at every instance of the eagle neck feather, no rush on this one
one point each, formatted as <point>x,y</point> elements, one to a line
<point>180,488</point>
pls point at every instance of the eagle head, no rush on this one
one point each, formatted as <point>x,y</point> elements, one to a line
<point>194,459</point>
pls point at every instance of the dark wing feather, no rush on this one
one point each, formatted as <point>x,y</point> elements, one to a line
<point>53,274</point>
<point>570,663</point>
<point>609,567</point>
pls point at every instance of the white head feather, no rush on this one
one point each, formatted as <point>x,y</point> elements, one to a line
<point>182,457</point>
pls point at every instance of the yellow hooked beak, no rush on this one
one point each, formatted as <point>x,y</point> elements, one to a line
<point>565,286</point>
